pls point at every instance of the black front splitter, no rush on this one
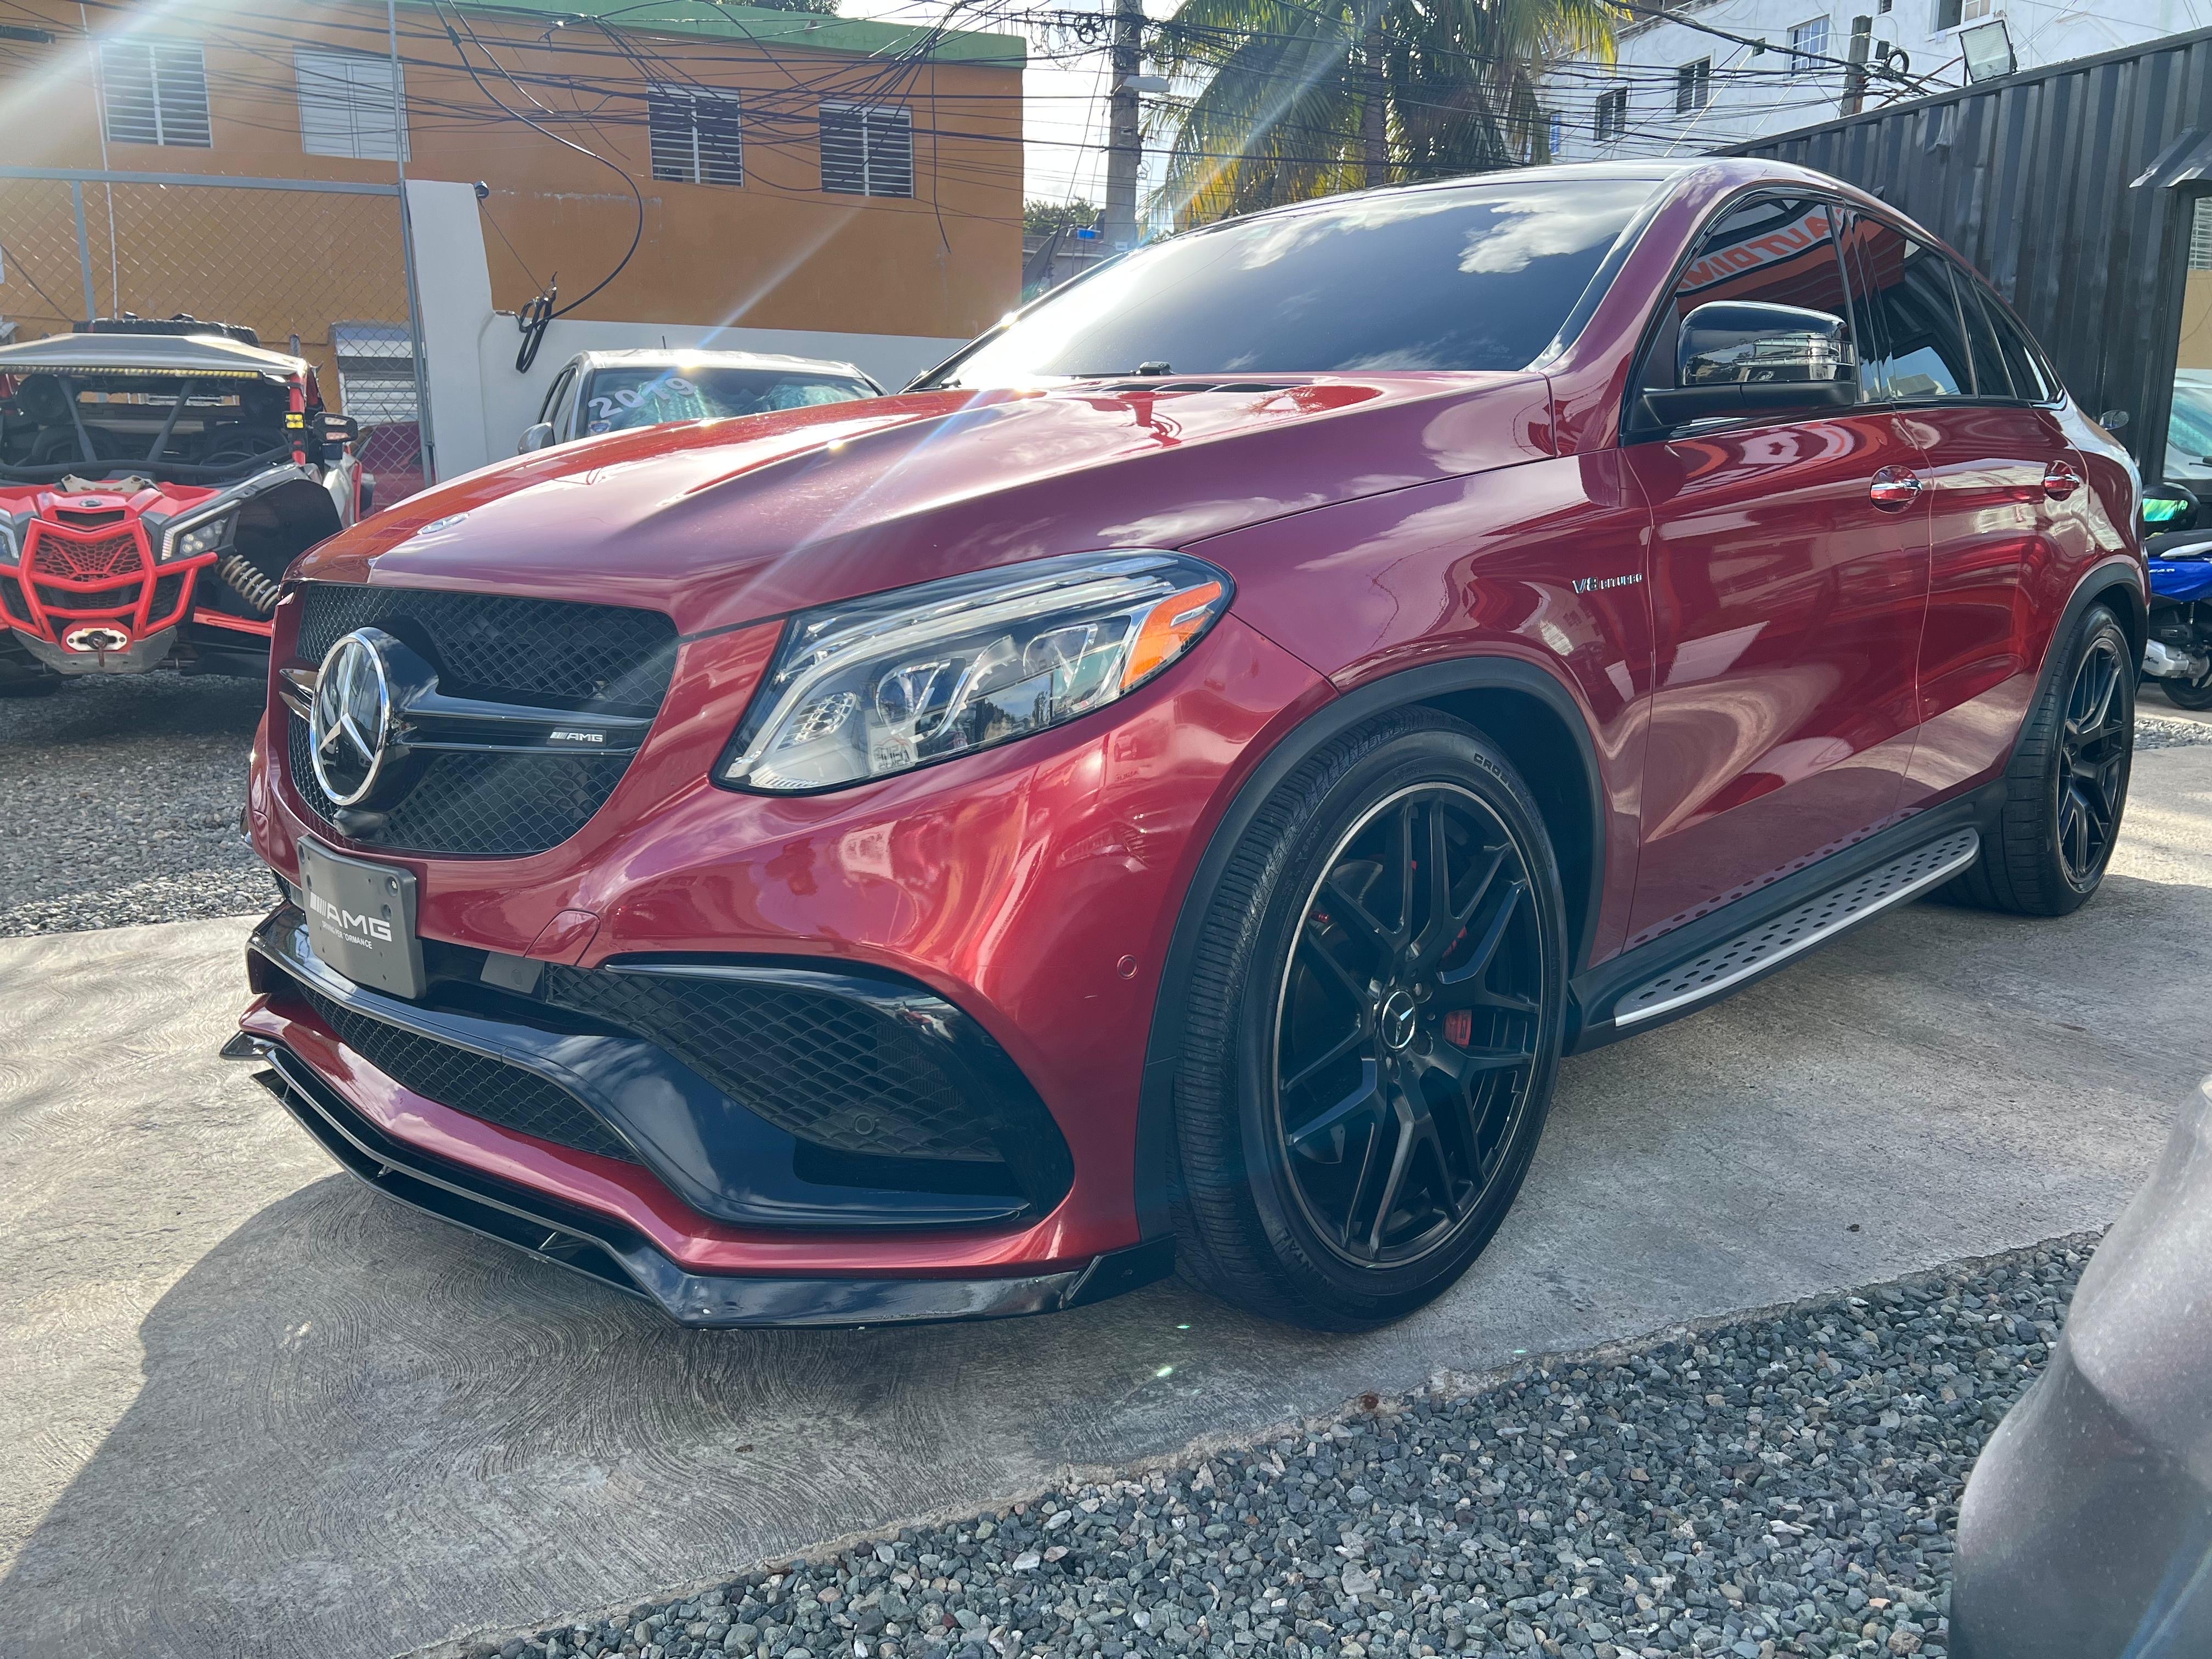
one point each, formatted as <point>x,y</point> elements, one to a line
<point>599,1246</point>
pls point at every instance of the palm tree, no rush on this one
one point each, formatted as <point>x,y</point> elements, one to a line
<point>1304,98</point>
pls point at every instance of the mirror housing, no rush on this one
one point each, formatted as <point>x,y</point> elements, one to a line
<point>2167,507</point>
<point>1739,358</point>
<point>337,429</point>
<point>536,437</point>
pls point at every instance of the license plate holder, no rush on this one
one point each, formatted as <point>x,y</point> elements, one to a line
<point>361,921</point>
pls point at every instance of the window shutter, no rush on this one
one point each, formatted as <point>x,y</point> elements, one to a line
<point>126,75</point>
<point>891,152</point>
<point>668,129</point>
<point>345,104</point>
<point>844,150</point>
<point>721,140</point>
<point>155,91</point>
<point>868,151</point>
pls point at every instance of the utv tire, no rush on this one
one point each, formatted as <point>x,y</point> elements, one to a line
<point>2066,786</point>
<point>1376,1008</point>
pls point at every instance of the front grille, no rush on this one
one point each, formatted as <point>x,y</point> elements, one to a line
<point>487,1089</point>
<point>105,599</point>
<point>496,645</point>
<point>474,805</point>
<point>11,599</point>
<point>835,1073</point>
<point>543,653</point>
<point>88,561</point>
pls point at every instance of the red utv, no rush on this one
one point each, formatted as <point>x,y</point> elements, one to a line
<point>155,480</point>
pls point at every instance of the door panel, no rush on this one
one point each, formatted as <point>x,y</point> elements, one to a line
<point>1986,455</point>
<point>1787,610</point>
<point>1993,533</point>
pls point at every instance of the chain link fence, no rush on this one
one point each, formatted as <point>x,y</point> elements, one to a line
<point>313,267</point>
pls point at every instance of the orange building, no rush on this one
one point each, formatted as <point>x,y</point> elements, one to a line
<point>776,171</point>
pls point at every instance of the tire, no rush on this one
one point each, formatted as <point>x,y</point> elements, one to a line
<point>2066,787</point>
<point>1283,1205</point>
<point>2182,693</point>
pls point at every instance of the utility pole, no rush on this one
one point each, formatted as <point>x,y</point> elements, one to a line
<point>1855,77</point>
<point>1125,133</point>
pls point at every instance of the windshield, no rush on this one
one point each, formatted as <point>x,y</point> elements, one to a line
<point>2188,432</point>
<point>619,398</point>
<point>192,430</point>
<point>1480,277</point>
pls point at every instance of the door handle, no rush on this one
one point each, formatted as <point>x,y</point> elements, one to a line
<point>2060,480</point>
<point>1894,488</point>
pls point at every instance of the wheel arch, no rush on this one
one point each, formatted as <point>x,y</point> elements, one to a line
<point>2118,584</point>
<point>1523,707</point>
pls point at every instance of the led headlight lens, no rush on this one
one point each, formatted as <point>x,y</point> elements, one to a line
<point>9,553</point>
<point>191,541</point>
<point>885,685</point>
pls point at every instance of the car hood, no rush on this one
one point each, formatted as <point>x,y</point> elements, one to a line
<point>721,522</point>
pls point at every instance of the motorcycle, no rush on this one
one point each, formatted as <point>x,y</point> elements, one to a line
<point>2178,652</point>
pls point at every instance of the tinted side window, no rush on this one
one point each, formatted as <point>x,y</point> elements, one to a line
<point>1991,377</point>
<point>1775,250</point>
<point>1920,350</point>
<point>2031,379</point>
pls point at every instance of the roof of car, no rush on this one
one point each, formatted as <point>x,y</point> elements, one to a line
<point>1654,170</point>
<point>680,357</point>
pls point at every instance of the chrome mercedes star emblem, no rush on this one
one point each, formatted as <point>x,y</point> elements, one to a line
<point>350,719</point>
<point>1399,1019</point>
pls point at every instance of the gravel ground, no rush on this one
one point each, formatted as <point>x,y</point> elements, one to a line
<point>2155,730</point>
<point>1785,1483</point>
<point>120,799</point>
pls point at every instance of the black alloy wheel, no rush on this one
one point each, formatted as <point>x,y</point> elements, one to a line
<point>2094,746</point>
<point>1375,1011</point>
<point>1405,1029</point>
<point>2045,845</point>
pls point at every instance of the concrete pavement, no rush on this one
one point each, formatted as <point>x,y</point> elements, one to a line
<point>249,1408</point>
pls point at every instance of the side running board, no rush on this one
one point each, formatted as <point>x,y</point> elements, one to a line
<point>1801,928</point>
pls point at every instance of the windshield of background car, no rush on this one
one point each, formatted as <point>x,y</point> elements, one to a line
<point>1475,278</point>
<point>619,398</point>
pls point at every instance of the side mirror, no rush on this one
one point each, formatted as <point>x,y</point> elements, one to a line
<point>2168,507</point>
<point>337,429</point>
<point>537,437</point>
<point>1738,357</point>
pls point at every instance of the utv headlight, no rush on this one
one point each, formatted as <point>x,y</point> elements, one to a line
<point>883,684</point>
<point>9,553</point>
<point>202,535</point>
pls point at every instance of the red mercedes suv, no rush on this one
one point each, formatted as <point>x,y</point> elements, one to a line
<point>1166,789</point>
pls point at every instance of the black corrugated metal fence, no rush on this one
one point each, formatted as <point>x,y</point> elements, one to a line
<point>2034,178</point>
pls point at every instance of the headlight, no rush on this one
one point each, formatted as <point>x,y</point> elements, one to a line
<point>9,553</point>
<point>881,685</point>
<point>202,536</point>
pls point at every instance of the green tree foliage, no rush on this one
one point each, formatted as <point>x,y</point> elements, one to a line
<point>1041,218</point>
<point>1297,99</point>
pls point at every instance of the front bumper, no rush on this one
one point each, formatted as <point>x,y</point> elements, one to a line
<point>591,1242</point>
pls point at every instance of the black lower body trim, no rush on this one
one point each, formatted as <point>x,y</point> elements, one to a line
<point>604,1249</point>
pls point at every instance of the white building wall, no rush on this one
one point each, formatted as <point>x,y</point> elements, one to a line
<point>1754,94</point>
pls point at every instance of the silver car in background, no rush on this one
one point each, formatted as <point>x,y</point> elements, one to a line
<point>599,392</point>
